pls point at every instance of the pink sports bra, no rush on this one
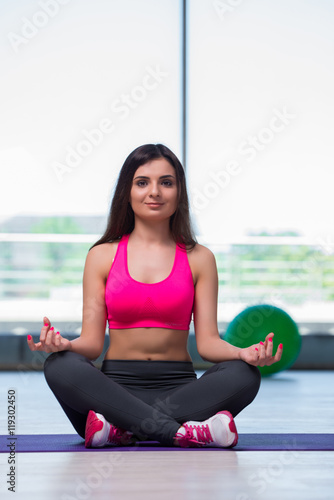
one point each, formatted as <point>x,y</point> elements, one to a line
<point>166,304</point>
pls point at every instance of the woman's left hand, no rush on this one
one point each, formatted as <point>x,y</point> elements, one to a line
<point>262,354</point>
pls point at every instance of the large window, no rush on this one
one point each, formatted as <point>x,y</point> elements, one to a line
<point>83,84</point>
<point>260,107</point>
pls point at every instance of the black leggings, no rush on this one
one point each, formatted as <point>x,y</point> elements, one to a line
<point>149,398</point>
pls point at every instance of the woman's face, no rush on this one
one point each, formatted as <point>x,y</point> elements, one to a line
<point>153,193</point>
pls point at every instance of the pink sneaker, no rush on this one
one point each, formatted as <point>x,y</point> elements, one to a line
<point>99,433</point>
<point>218,431</point>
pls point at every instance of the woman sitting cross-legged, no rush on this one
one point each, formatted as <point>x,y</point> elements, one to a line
<point>146,277</point>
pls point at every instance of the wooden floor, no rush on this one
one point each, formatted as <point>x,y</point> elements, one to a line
<point>292,401</point>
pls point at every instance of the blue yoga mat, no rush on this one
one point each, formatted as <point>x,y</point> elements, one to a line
<point>30,443</point>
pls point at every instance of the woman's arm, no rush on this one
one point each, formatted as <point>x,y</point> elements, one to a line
<point>91,341</point>
<point>209,345</point>
<point>94,315</point>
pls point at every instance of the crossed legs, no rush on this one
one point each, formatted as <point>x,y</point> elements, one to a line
<point>152,413</point>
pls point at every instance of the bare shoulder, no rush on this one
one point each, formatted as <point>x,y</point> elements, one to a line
<point>101,257</point>
<point>200,253</point>
<point>201,259</point>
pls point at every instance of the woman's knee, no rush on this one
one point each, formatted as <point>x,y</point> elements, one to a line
<point>248,373</point>
<point>247,380</point>
<point>253,375</point>
<point>245,374</point>
<point>60,363</point>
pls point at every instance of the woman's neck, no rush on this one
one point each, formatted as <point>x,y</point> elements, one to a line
<point>152,233</point>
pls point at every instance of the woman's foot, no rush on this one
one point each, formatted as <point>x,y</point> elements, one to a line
<point>218,431</point>
<point>99,433</point>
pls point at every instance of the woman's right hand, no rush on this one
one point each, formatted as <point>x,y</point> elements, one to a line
<point>49,340</point>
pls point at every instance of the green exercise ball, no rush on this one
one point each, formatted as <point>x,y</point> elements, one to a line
<point>253,325</point>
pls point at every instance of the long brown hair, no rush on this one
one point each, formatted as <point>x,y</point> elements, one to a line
<point>121,217</point>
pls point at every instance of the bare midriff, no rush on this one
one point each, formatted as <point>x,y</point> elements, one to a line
<point>151,344</point>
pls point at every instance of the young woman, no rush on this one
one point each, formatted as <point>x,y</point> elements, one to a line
<point>146,276</point>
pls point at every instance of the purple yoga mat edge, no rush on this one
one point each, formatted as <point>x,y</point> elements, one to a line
<point>32,443</point>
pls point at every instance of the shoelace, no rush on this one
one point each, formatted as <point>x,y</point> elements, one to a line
<point>203,435</point>
<point>118,436</point>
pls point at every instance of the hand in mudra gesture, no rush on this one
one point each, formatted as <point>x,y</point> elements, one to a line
<point>261,354</point>
<point>50,340</point>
